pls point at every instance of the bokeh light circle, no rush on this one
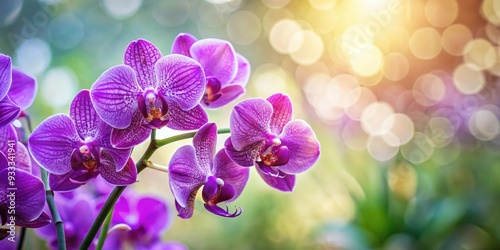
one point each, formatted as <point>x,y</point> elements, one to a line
<point>468,79</point>
<point>243,27</point>
<point>33,55</point>
<point>425,43</point>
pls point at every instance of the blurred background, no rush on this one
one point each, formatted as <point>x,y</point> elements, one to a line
<point>403,95</point>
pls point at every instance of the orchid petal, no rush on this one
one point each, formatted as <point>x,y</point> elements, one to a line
<point>284,183</point>
<point>114,96</point>
<point>210,189</point>
<point>249,122</point>
<point>29,194</point>
<point>221,212</point>
<point>141,55</point>
<point>231,173</point>
<point>185,176</point>
<point>180,119</point>
<point>127,176</point>
<point>9,111</point>
<point>84,115</point>
<point>282,112</point>
<point>23,89</point>
<point>4,164</point>
<point>153,213</point>
<point>182,43</point>
<point>52,143</point>
<point>204,143</point>
<point>217,57</point>
<point>302,144</point>
<point>42,220</point>
<point>5,75</point>
<point>8,139</point>
<point>227,95</point>
<point>64,182</point>
<point>23,158</point>
<point>131,136</point>
<point>186,212</point>
<point>180,79</point>
<point>243,74</point>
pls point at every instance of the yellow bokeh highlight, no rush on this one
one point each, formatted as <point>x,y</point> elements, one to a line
<point>425,43</point>
<point>435,14</point>
<point>455,38</point>
<point>480,53</point>
<point>468,79</point>
<point>368,62</point>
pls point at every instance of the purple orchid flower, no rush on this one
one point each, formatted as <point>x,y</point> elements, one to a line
<point>191,167</point>
<point>76,148</point>
<point>138,222</point>
<point>263,134</point>
<point>149,92</point>
<point>20,186</point>
<point>17,91</point>
<point>227,72</point>
<point>78,210</point>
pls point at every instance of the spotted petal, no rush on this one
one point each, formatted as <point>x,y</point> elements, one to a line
<point>180,79</point>
<point>5,75</point>
<point>132,135</point>
<point>127,176</point>
<point>86,120</point>
<point>64,182</point>
<point>228,94</point>
<point>185,176</point>
<point>302,144</point>
<point>245,157</point>
<point>182,43</point>
<point>115,95</point>
<point>180,119</point>
<point>282,112</point>
<point>217,57</point>
<point>141,55</point>
<point>52,143</point>
<point>231,173</point>
<point>249,122</point>
<point>204,143</point>
<point>8,139</point>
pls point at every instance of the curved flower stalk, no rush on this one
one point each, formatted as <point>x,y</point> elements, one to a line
<point>263,134</point>
<point>17,91</point>
<point>25,189</point>
<point>194,166</point>
<point>138,223</point>
<point>76,148</point>
<point>227,72</point>
<point>149,92</point>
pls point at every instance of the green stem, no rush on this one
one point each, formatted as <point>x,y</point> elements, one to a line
<point>22,235</point>
<point>61,240</point>
<point>140,165</point>
<point>104,231</point>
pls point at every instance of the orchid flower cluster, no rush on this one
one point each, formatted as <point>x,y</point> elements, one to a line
<point>123,108</point>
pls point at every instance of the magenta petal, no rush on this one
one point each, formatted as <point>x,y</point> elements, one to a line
<point>23,158</point>
<point>114,95</point>
<point>249,122</point>
<point>141,55</point>
<point>131,136</point>
<point>284,183</point>
<point>4,164</point>
<point>23,89</point>
<point>282,112</point>
<point>217,57</point>
<point>243,71</point>
<point>9,111</point>
<point>52,143</point>
<point>223,212</point>
<point>231,173</point>
<point>127,176</point>
<point>210,189</point>
<point>227,95</point>
<point>154,213</point>
<point>182,43</point>
<point>120,156</point>
<point>302,145</point>
<point>42,220</point>
<point>180,119</point>
<point>185,176</point>
<point>180,79</point>
<point>204,143</point>
<point>8,139</point>
<point>64,182</point>
<point>84,115</point>
<point>29,194</point>
<point>5,75</point>
<point>186,212</point>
